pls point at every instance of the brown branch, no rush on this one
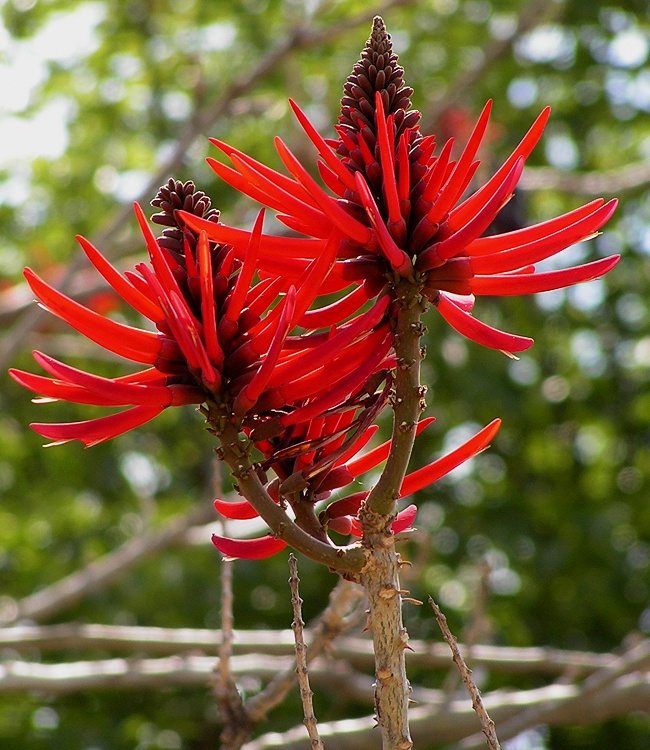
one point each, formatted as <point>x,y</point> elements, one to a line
<point>236,724</point>
<point>100,573</point>
<point>597,684</point>
<point>234,451</point>
<point>487,725</point>
<point>357,651</point>
<point>332,622</point>
<point>623,696</point>
<point>298,625</point>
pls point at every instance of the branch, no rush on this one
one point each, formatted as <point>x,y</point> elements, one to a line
<point>590,690</point>
<point>457,720</point>
<point>487,725</point>
<point>306,693</point>
<point>534,13</point>
<point>100,573</point>
<point>356,651</point>
<point>235,452</point>
<point>237,727</point>
<point>332,622</point>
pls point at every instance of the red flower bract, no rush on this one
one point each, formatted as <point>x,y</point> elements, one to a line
<point>400,206</point>
<point>218,336</point>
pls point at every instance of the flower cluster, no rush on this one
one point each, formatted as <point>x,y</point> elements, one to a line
<point>292,386</point>
<point>401,207</point>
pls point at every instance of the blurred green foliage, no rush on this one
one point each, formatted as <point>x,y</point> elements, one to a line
<point>558,506</point>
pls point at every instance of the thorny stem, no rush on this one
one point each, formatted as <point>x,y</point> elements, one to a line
<point>298,625</point>
<point>347,560</point>
<point>487,725</point>
<point>380,576</point>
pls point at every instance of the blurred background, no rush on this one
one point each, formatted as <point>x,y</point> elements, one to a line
<point>544,540</point>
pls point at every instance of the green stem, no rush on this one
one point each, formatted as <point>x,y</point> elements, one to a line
<point>409,398</point>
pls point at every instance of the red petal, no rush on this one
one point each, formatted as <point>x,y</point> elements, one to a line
<point>479,332</point>
<point>500,242</point>
<point>425,476</point>
<point>297,367</point>
<point>134,297</point>
<point>328,156</point>
<point>343,389</point>
<point>132,343</point>
<point>328,205</point>
<point>458,241</point>
<point>346,506</point>
<point>533,283</point>
<point>248,549</point>
<point>237,511</point>
<point>342,525</point>
<point>454,186</point>
<point>398,259</point>
<point>94,431</point>
<point>208,306</point>
<point>404,519</point>
<point>463,213</point>
<point>270,246</point>
<point>387,156</point>
<point>503,261</point>
<point>336,312</point>
<point>249,395</point>
<point>275,177</point>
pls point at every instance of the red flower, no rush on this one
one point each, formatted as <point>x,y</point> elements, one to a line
<point>400,206</point>
<point>217,335</point>
<point>340,515</point>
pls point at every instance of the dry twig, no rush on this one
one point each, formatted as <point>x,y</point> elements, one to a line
<point>236,723</point>
<point>487,725</point>
<point>336,619</point>
<point>298,624</point>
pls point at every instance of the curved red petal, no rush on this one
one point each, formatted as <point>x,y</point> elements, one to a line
<point>480,332</point>
<point>425,476</point>
<point>240,510</point>
<point>248,549</point>
<point>533,283</point>
<point>95,431</point>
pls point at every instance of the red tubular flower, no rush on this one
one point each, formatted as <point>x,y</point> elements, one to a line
<point>218,334</point>
<point>399,206</point>
<point>340,515</point>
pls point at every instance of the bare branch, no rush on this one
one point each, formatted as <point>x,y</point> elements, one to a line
<point>236,724</point>
<point>534,13</point>
<point>356,651</point>
<point>634,660</point>
<point>100,573</point>
<point>457,720</point>
<point>487,725</point>
<point>332,622</point>
<point>298,624</point>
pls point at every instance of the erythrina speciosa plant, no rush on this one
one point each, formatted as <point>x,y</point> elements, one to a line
<point>291,386</point>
